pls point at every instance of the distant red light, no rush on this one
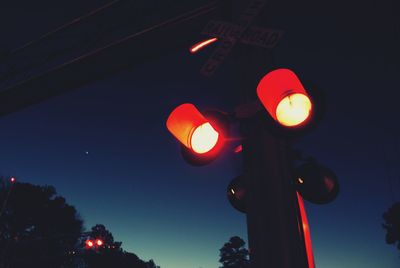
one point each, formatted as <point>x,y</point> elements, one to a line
<point>195,48</point>
<point>12,180</point>
<point>99,242</point>
<point>89,243</point>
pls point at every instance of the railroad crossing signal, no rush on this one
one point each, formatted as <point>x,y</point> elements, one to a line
<point>268,186</point>
<point>202,137</point>
<point>280,92</point>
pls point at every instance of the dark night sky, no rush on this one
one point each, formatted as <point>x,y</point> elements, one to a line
<point>133,179</point>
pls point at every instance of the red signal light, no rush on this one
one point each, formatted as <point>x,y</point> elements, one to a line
<point>204,138</point>
<point>89,243</point>
<point>285,98</point>
<point>192,129</point>
<point>99,242</point>
<point>12,179</point>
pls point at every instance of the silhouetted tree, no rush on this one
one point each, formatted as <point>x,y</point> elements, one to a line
<point>151,264</point>
<point>37,227</point>
<point>234,254</point>
<point>110,254</point>
<point>392,225</point>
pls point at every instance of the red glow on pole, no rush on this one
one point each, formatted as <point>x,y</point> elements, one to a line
<point>195,48</point>
<point>192,129</point>
<point>204,138</point>
<point>12,179</point>
<point>238,149</point>
<point>284,97</point>
<point>306,232</point>
<point>329,183</point>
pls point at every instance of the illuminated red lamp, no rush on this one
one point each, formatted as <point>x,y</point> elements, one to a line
<point>192,129</point>
<point>12,179</point>
<point>99,242</point>
<point>89,243</point>
<point>197,47</point>
<point>284,97</point>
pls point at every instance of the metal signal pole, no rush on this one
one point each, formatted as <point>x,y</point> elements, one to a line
<point>275,237</point>
<point>273,220</point>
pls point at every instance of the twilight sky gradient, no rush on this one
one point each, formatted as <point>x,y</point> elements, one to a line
<point>133,179</point>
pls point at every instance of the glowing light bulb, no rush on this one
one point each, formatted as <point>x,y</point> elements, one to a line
<point>293,110</point>
<point>204,138</point>
<point>89,243</point>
